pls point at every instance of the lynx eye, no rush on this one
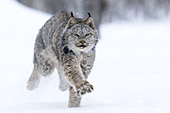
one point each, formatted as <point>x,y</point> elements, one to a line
<point>88,34</point>
<point>76,35</point>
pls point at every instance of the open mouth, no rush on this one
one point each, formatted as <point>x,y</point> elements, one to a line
<point>81,46</point>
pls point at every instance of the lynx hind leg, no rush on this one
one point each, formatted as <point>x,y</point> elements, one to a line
<point>42,66</point>
<point>34,80</point>
<point>74,99</point>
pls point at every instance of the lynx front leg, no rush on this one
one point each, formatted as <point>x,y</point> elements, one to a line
<point>74,75</point>
<point>75,96</point>
<point>77,80</point>
<point>63,86</point>
<point>74,99</point>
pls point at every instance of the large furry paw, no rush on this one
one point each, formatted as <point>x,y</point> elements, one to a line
<point>63,87</point>
<point>84,88</point>
<point>73,105</point>
<point>31,85</point>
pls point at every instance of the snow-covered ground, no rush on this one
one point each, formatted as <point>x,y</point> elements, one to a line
<point>131,73</point>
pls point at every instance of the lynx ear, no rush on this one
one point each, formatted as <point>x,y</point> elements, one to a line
<point>71,21</point>
<point>89,21</point>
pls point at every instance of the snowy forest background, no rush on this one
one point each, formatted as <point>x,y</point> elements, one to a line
<point>131,73</point>
<point>106,10</point>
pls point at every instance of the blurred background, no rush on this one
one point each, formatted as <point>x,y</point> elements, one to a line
<point>106,10</point>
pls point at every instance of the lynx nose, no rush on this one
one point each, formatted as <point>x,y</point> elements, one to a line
<point>82,42</point>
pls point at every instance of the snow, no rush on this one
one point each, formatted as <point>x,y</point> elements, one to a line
<point>131,73</point>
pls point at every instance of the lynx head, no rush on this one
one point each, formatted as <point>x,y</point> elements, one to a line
<point>80,35</point>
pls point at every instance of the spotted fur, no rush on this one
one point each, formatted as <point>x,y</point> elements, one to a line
<point>68,44</point>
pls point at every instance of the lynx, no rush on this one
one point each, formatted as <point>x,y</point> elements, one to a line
<point>68,44</point>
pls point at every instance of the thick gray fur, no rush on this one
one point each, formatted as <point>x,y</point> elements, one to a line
<point>68,44</point>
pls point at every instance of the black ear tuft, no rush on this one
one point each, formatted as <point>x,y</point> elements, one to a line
<point>71,21</point>
<point>89,14</point>
<point>89,21</point>
<point>72,14</point>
